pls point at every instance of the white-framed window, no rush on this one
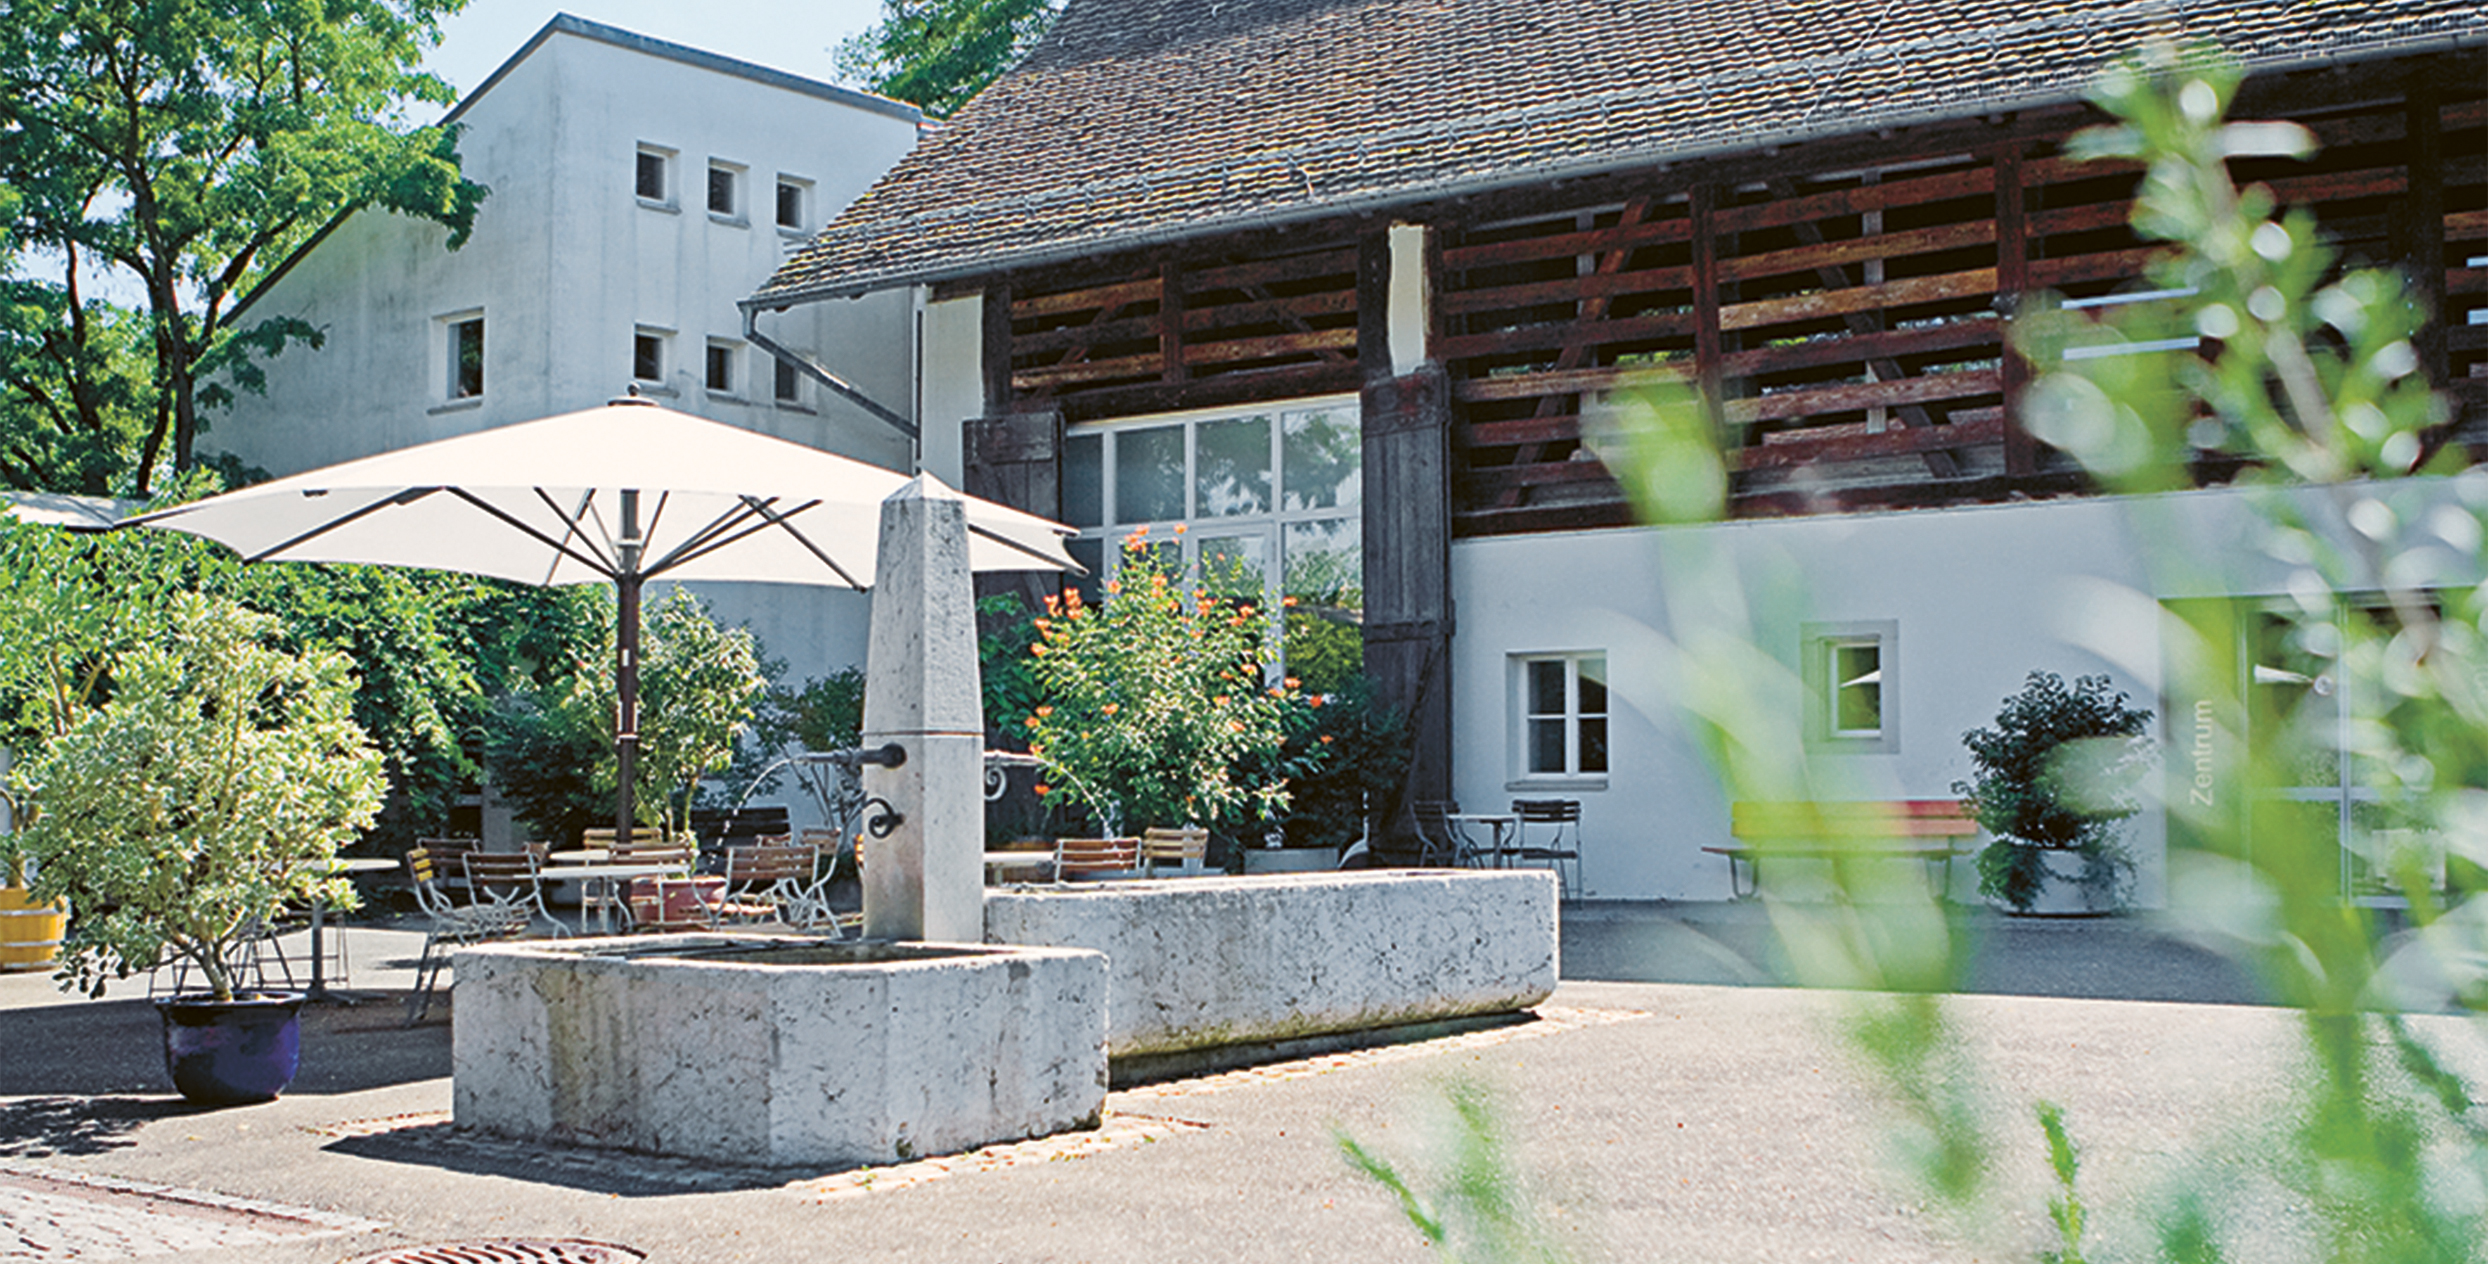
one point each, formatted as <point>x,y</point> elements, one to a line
<point>794,203</point>
<point>1852,682</point>
<point>725,191</point>
<point>786,383</point>
<point>652,176</point>
<point>1271,502</point>
<point>461,339</point>
<point>651,350</point>
<point>722,371</point>
<point>1559,712</point>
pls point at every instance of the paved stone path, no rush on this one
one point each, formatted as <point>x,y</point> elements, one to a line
<point>50,1215</point>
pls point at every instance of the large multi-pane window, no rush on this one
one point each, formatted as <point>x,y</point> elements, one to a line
<point>1563,715</point>
<point>1271,505</point>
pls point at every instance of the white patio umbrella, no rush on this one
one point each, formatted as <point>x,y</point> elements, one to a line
<point>624,493</point>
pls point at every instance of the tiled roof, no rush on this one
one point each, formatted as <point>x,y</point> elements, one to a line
<point>1141,121</point>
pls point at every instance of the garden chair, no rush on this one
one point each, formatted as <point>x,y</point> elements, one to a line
<point>1561,819</point>
<point>451,925</point>
<point>449,859</point>
<point>808,908</point>
<point>762,879</point>
<point>1079,859</point>
<point>1186,848</point>
<point>512,880</point>
<point>1440,844</point>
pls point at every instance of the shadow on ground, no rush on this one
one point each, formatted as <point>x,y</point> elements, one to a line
<point>2125,958</point>
<point>617,1173</point>
<point>101,1048</point>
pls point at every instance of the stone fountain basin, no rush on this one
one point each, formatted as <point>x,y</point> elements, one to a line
<point>760,1049</point>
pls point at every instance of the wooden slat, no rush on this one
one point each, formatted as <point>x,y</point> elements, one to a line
<point>2106,265</point>
<point>2081,219</point>
<point>2339,186</point>
<point>1563,382</point>
<point>1566,245</point>
<point>1219,390</point>
<point>1853,396</point>
<point>1854,446</point>
<point>1117,294</point>
<point>1197,321</point>
<point>1900,191</point>
<point>1797,307</point>
<point>1567,289</point>
<point>2466,224</point>
<point>1555,428</point>
<point>1855,249</point>
<point>1489,481</point>
<point>1058,375</point>
<point>1269,346</point>
<point>2466,280</point>
<point>1564,334</point>
<point>1339,262</point>
<point>2040,172</point>
<point>1985,329</point>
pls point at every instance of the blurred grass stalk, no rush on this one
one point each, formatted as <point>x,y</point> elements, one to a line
<point>2313,384</point>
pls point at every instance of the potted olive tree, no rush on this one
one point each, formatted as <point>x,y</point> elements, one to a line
<point>2055,781</point>
<point>206,794</point>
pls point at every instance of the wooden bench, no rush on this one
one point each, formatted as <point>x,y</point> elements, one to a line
<point>1926,830</point>
<point>1078,858</point>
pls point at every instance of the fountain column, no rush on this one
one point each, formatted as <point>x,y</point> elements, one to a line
<point>926,879</point>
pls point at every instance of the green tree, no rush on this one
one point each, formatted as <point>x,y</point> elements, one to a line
<point>204,797</point>
<point>550,748</point>
<point>192,147</point>
<point>938,53</point>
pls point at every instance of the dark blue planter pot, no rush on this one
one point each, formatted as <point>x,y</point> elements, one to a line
<point>226,1053</point>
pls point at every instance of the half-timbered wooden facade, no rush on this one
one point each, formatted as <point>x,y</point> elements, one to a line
<point>1464,223</point>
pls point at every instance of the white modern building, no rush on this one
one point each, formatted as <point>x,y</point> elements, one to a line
<point>638,189</point>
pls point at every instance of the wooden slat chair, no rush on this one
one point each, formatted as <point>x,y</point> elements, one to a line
<point>668,903</point>
<point>511,880</point>
<point>1186,848</point>
<point>449,859</point>
<point>1087,859</point>
<point>762,880</point>
<point>1561,819</point>
<point>452,925</point>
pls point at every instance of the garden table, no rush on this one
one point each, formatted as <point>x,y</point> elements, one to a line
<point>607,879</point>
<point>1500,823</point>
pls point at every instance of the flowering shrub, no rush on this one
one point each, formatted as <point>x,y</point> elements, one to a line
<point>1154,702</point>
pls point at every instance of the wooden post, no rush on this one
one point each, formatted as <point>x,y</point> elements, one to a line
<point>2021,452</point>
<point>2419,221</point>
<point>1406,423</point>
<point>1708,349</point>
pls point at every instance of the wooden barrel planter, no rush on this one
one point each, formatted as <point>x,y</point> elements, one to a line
<point>30,933</point>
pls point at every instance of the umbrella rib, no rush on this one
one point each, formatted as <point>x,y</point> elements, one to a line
<point>391,501</point>
<point>571,520</point>
<point>705,540</point>
<point>559,546</point>
<point>780,521</point>
<point>1008,542</point>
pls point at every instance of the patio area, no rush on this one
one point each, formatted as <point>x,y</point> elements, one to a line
<point>1662,1120</point>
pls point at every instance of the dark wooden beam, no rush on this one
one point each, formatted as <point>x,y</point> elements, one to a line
<point>2021,452</point>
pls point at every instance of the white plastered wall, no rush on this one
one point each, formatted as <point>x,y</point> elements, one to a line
<point>1981,596</point>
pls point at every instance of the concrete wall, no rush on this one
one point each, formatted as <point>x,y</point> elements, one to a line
<point>1201,962</point>
<point>1979,597</point>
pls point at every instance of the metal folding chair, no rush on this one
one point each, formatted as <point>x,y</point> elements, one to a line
<point>1561,819</point>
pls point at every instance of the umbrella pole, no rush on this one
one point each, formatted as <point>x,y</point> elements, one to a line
<point>626,719</point>
<point>626,668</point>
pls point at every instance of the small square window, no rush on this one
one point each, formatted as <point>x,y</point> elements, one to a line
<point>1852,694</point>
<point>648,356</point>
<point>788,387</point>
<point>653,177</point>
<point>1563,715</point>
<point>725,190</point>
<point>466,358</point>
<point>720,373</point>
<point>792,194</point>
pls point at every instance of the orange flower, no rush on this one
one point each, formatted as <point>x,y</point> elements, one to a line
<point>1044,625</point>
<point>1313,700</point>
<point>1291,682</point>
<point>1110,708</point>
<point>1114,585</point>
<point>1289,601</point>
<point>1218,701</point>
<point>1044,789</point>
<point>1045,711</point>
<point>1031,721</point>
<point>1179,528</point>
<point>1325,739</point>
<point>1038,650</point>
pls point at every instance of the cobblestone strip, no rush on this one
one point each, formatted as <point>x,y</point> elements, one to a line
<point>47,1215</point>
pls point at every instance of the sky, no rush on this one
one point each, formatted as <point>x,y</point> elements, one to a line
<point>795,36</point>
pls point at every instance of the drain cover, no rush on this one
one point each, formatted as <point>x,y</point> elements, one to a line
<point>509,1251</point>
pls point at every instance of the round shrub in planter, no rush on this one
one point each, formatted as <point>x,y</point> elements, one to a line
<point>2054,782</point>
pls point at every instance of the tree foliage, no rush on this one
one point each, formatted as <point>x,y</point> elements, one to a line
<point>202,799</point>
<point>938,53</point>
<point>186,149</point>
<point>1154,709</point>
<point>2055,773</point>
